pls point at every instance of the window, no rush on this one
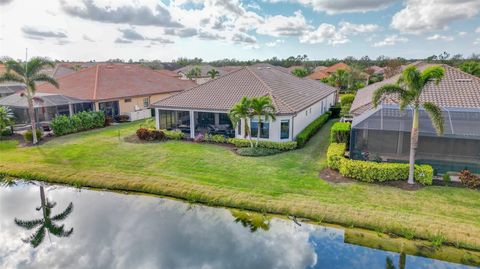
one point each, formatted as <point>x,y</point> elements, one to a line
<point>223,119</point>
<point>128,100</point>
<point>239,125</point>
<point>146,102</point>
<point>306,112</point>
<point>285,129</point>
<point>109,108</point>
<point>310,110</point>
<point>264,126</point>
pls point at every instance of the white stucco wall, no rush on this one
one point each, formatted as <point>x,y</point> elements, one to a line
<point>305,117</point>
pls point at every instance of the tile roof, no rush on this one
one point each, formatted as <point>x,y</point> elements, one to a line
<point>337,66</point>
<point>290,94</point>
<point>113,81</point>
<point>322,72</point>
<point>318,75</point>
<point>205,68</point>
<point>456,90</point>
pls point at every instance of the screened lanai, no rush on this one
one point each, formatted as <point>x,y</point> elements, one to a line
<point>385,133</point>
<point>47,106</point>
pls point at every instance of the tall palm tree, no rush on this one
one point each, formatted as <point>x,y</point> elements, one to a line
<point>29,73</point>
<point>263,109</point>
<point>409,88</point>
<point>339,79</point>
<point>46,223</point>
<point>242,111</point>
<point>213,73</point>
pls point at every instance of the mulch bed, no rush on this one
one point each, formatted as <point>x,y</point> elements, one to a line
<point>134,139</point>
<point>333,176</point>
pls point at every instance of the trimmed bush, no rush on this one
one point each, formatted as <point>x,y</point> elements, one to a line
<point>340,132</point>
<point>174,135</point>
<point>82,121</point>
<point>28,135</point>
<point>150,134</point>
<point>470,180</point>
<point>372,171</point>
<point>283,146</point>
<point>335,154</point>
<point>256,152</point>
<point>6,132</point>
<point>311,129</point>
<point>215,138</point>
<point>347,99</point>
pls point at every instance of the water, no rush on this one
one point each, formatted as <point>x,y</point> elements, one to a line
<point>112,230</point>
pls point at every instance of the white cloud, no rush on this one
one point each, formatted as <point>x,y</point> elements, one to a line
<point>440,37</point>
<point>325,33</point>
<point>462,33</point>
<point>390,41</point>
<point>420,16</point>
<point>274,43</point>
<point>477,41</point>
<point>332,35</point>
<point>342,6</point>
<point>280,25</point>
<point>477,30</point>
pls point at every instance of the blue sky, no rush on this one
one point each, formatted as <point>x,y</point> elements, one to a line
<point>241,29</point>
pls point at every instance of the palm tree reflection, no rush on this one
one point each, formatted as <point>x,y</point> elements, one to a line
<point>47,223</point>
<point>251,220</point>
<point>401,262</point>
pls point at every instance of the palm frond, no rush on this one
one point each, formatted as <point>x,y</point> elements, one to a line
<point>37,238</point>
<point>28,224</point>
<point>434,73</point>
<point>10,76</point>
<point>44,78</point>
<point>412,80</point>
<point>16,67</point>
<point>36,64</point>
<point>64,214</point>
<point>436,116</point>
<point>385,90</point>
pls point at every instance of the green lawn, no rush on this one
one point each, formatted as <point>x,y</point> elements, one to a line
<point>287,183</point>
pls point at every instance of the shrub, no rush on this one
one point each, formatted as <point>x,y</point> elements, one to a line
<point>374,171</point>
<point>335,154</point>
<point>174,135</point>
<point>311,129</point>
<point>335,111</point>
<point>340,132</point>
<point>283,146</point>
<point>150,134</point>
<point>6,132</point>
<point>28,136</point>
<point>255,152</point>
<point>347,99</point>
<point>446,179</point>
<point>199,138</point>
<point>470,180</point>
<point>215,138</point>
<point>63,125</point>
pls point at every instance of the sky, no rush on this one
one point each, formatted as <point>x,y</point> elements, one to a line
<point>84,30</point>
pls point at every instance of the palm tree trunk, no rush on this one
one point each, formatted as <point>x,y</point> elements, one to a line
<point>43,201</point>
<point>413,146</point>
<point>247,132</point>
<point>33,120</point>
<point>258,130</point>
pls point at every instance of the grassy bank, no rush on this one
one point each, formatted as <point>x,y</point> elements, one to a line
<point>287,183</point>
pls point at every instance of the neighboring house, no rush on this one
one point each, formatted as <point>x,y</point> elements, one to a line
<point>384,131</point>
<point>8,88</point>
<point>118,89</point>
<point>375,70</point>
<point>204,69</point>
<point>204,108</point>
<point>47,106</point>
<point>322,72</point>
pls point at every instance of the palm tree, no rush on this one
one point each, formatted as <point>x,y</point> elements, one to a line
<point>46,223</point>
<point>195,72</point>
<point>29,73</point>
<point>213,73</point>
<point>263,108</point>
<point>471,67</point>
<point>409,88</point>
<point>242,111</point>
<point>339,79</point>
<point>6,117</point>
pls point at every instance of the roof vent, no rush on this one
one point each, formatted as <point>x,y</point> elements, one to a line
<point>463,80</point>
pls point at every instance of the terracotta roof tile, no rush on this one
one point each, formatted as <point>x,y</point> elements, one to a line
<point>113,81</point>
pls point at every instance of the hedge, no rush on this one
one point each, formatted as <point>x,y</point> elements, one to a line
<point>173,135</point>
<point>63,125</point>
<point>244,143</point>
<point>311,129</point>
<point>340,132</point>
<point>257,152</point>
<point>372,171</point>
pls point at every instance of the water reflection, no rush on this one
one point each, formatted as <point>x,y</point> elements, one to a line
<point>128,231</point>
<point>46,224</point>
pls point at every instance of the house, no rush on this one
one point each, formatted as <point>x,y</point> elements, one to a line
<point>47,106</point>
<point>118,89</point>
<point>384,132</point>
<point>322,72</point>
<point>204,108</point>
<point>375,70</point>
<point>204,69</point>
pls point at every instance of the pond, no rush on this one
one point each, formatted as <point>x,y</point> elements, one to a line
<point>80,228</point>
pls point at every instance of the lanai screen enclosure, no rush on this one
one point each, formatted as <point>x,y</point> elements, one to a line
<point>385,133</point>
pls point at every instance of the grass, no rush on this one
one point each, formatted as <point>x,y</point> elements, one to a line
<point>286,183</point>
